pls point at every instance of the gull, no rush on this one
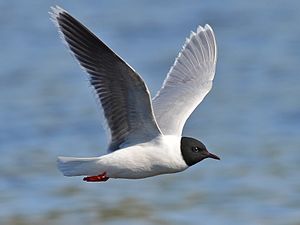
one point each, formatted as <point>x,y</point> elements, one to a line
<point>145,135</point>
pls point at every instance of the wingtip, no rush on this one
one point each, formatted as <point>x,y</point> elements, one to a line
<point>194,33</point>
<point>55,12</point>
<point>199,29</point>
<point>204,28</point>
<point>207,26</point>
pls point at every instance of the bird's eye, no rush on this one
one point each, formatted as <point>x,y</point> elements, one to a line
<point>195,149</point>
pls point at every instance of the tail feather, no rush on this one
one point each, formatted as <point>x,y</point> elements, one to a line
<point>72,166</point>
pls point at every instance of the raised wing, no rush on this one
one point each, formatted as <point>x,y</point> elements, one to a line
<point>187,83</point>
<point>123,95</point>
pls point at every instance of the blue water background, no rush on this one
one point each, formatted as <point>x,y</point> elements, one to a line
<point>251,118</point>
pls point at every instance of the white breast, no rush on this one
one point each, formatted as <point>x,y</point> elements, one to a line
<point>159,156</point>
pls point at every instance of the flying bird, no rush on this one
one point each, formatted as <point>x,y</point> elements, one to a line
<point>145,134</point>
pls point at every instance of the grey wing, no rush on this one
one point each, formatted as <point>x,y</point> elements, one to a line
<point>187,83</point>
<point>123,95</point>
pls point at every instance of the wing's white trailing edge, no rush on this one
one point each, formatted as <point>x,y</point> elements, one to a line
<point>188,81</point>
<point>123,95</point>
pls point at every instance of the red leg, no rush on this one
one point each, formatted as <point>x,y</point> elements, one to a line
<point>98,178</point>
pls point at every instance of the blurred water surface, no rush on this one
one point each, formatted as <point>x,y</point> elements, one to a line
<point>251,118</point>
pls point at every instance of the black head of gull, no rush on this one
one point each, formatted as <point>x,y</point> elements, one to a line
<point>193,151</point>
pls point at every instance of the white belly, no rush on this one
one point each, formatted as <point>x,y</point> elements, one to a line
<point>160,156</point>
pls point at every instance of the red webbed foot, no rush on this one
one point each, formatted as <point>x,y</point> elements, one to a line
<point>98,178</point>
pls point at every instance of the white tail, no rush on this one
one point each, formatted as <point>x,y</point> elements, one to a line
<point>71,166</point>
